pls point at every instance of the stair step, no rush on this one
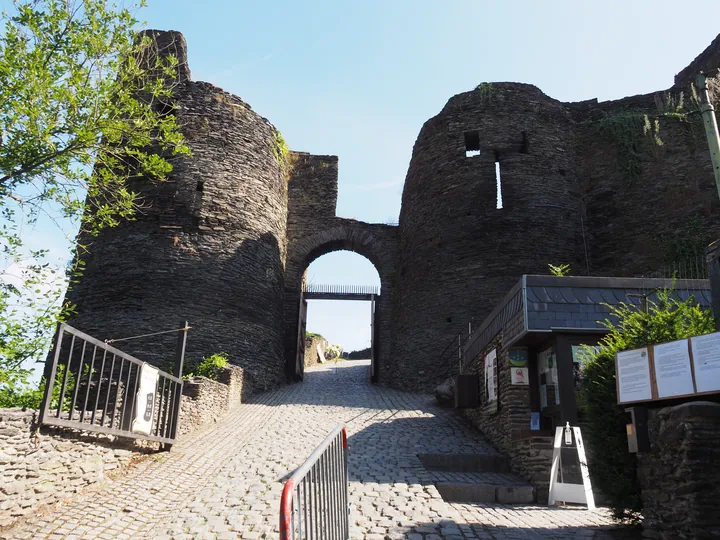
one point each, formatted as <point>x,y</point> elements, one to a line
<point>479,463</point>
<point>462,492</point>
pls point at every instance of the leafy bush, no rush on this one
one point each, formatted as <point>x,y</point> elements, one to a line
<point>209,366</point>
<point>333,351</point>
<point>613,468</point>
<point>19,393</point>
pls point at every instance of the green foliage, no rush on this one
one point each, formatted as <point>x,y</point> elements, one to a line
<point>626,129</point>
<point>83,117</point>
<point>613,468</point>
<point>486,91</point>
<point>209,366</point>
<point>311,335</point>
<point>560,270</point>
<point>333,351</point>
<point>690,243</point>
<point>362,354</point>
<point>19,393</point>
<point>280,148</point>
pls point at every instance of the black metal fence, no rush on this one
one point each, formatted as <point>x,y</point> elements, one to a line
<point>341,289</point>
<point>93,386</point>
<point>314,501</point>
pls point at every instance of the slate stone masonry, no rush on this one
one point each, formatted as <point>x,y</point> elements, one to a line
<point>41,469</point>
<point>226,241</point>
<point>679,476</point>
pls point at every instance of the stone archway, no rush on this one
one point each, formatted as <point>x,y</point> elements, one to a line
<point>375,242</point>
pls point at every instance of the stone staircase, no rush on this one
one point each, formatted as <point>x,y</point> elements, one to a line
<point>473,478</point>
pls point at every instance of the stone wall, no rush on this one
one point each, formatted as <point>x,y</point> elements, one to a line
<point>506,422</point>
<point>311,354</point>
<point>37,471</point>
<point>679,476</point>
<point>582,184</point>
<point>459,253</point>
<point>204,401</point>
<point>41,469</point>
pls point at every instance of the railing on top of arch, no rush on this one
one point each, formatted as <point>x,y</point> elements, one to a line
<point>340,289</point>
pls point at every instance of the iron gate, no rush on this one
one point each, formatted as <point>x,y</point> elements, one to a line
<point>94,387</point>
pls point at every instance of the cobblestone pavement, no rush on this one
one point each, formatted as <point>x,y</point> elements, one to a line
<point>226,481</point>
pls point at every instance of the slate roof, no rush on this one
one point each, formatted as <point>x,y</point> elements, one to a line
<point>553,303</point>
<point>580,302</point>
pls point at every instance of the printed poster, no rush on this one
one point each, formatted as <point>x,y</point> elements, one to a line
<point>706,362</point>
<point>633,376</point>
<point>672,369</point>
<point>490,379</point>
<point>519,376</point>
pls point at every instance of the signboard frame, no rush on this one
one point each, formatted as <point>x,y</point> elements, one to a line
<point>655,396</point>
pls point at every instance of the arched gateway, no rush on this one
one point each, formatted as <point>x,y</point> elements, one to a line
<point>375,242</point>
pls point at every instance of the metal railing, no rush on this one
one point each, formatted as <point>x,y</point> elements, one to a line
<point>314,501</point>
<point>94,387</point>
<point>341,289</point>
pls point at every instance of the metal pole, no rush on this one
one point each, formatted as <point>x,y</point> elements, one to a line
<point>459,354</point>
<point>711,127</point>
<point>179,359</point>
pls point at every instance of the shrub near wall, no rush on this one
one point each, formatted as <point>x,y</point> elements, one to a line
<point>612,467</point>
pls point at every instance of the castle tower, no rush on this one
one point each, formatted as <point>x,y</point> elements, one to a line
<point>208,246</point>
<point>460,252</point>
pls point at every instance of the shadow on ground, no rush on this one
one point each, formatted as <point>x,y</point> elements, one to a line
<point>450,529</point>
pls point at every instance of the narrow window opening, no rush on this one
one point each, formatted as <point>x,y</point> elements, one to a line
<point>201,186</point>
<point>498,184</point>
<point>472,143</point>
<point>525,146</point>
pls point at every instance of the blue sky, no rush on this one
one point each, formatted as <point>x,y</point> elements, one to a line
<point>358,80</point>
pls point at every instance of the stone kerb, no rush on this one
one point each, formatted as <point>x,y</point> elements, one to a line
<point>41,469</point>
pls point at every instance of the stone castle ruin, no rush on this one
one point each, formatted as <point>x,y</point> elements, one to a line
<point>613,188</point>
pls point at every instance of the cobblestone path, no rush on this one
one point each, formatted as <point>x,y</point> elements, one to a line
<point>225,482</point>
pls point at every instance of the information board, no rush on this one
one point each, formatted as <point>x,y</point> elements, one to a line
<point>673,374</point>
<point>634,382</point>
<point>706,362</point>
<point>682,368</point>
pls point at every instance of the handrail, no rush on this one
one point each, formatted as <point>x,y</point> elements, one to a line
<point>340,289</point>
<point>315,497</point>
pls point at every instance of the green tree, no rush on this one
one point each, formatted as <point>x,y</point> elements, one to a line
<point>85,113</point>
<point>613,468</point>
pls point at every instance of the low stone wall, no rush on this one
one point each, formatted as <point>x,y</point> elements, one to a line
<point>45,468</point>
<point>680,477</point>
<point>40,469</point>
<point>311,346</point>
<point>205,401</point>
